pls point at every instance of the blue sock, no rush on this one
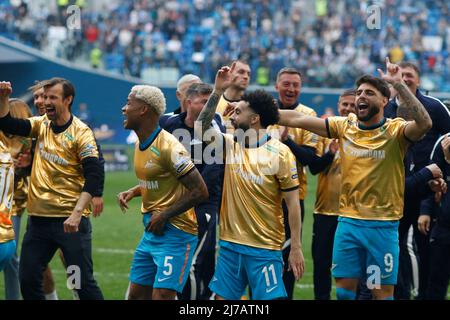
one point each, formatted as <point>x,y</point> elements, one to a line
<point>344,294</point>
<point>389,298</point>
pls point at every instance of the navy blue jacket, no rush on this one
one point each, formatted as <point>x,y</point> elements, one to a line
<point>440,116</point>
<point>211,173</point>
<point>419,152</point>
<point>441,210</point>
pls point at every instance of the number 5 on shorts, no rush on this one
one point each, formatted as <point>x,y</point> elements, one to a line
<point>168,265</point>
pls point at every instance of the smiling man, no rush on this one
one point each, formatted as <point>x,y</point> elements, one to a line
<point>66,174</point>
<point>372,149</point>
<point>259,172</point>
<point>303,145</point>
<point>170,186</point>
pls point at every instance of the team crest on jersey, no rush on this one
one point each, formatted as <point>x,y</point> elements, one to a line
<point>69,137</point>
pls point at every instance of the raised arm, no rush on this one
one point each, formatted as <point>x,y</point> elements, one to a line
<point>294,119</point>
<point>222,82</point>
<point>20,127</point>
<point>409,108</point>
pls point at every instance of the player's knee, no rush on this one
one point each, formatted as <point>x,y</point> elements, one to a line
<point>344,294</point>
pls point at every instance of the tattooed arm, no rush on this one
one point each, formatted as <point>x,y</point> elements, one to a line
<point>222,82</point>
<point>410,108</point>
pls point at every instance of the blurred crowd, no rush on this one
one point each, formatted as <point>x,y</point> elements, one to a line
<point>330,41</point>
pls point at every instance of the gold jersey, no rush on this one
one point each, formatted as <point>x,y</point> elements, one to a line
<point>17,145</point>
<point>373,178</point>
<point>221,106</point>
<point>302,137</point>
<point>254,179</point>
<point>57,179</point>
<point>158,169</point>
<point>6,194</point>
<point>328,182</point>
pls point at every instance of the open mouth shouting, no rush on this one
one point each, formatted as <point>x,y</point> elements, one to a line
<point>51,111</point>
<point>363,108</point>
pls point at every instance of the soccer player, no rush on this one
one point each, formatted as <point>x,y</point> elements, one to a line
<point>326,209</point>
<point>66,173</point>
<point>182,126</point>
<point>16,146</point>
<point>170,186</point>
<point>233,94</point>
<point>259,172</point>
<point>302,144</point>
<point>420,154</point>
<point>371,201</point>
<point>439,274</point>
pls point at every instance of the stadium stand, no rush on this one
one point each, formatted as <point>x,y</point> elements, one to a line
<point>197,36</point>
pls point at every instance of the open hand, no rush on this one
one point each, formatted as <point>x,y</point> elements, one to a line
<point>393,74</point>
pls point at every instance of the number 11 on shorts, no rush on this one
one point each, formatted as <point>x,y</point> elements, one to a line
<point>266,270</point>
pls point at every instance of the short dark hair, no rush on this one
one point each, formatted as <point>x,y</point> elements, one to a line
<point>288,70</point>
<point>348,92</point>
<point>197,89</point>
<point>406,64</point>
<point>264,105</point>
<point>239,60</point>
<point>68,88</point>
<point>381,85</point>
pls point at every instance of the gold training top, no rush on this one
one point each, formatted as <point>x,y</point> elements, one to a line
<point>328,183</point>
<point>6,194</point>
<point>251,212</point>
<point>158,169</point>
<point>57,179</point>
<point>221,106</point>
<point>16,145</point>
<point>305,138</point>
<point>373,178</point>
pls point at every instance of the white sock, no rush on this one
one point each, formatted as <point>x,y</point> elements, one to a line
<point>51,296</point>
<point>128,291</point>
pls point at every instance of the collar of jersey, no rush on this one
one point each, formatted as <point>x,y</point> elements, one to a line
<point>149,140</point>
<point>230,100</point>
<point>363,127</point>
<point>292,107</point>
<point>59,129</point>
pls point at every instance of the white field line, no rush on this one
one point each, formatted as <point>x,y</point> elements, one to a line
<point>114,251</point>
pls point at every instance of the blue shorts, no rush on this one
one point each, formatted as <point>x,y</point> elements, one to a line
<point>7,250</point>
<point>240,265</point>
<point>366,250</point>
<point>163,261</point>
